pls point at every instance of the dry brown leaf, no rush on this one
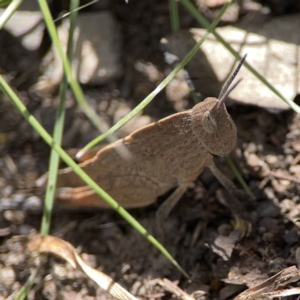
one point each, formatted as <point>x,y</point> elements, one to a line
<point>67,252</point>
<point>268,289</point>
<point>224,245</point>
<point>283,293</point>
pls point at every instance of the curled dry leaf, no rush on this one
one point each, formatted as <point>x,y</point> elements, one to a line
<point>67,252</point>
<point>269,288</point>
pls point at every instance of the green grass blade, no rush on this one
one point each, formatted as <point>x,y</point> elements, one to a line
<point>58,130</point>
<point>174,16</point>
<point>159,88</point>
<point>9,11</point>
<point>204,22</point>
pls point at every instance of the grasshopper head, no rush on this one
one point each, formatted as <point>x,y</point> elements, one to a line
<point>211,122</point>
<point>214,127</point>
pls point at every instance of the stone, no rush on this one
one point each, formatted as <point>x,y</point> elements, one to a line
<point>272,48</point>
<point>27,26</point>
<point>96,58</point>
<point>97,44</point>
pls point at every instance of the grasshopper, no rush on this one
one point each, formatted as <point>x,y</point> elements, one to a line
<point>166,155</point>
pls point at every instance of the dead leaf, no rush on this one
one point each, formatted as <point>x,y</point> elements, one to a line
<point>224,245</point>
<point>67,252</point>
<point>268,289</point>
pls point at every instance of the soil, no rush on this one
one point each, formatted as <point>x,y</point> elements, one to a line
<point>222,254</point>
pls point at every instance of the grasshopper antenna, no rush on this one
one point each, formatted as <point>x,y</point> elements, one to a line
<point>225,91</point>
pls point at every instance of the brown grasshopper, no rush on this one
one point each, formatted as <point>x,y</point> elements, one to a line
<point>165,155</point>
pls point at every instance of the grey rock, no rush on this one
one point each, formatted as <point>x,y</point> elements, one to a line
<point>97,48</point>
<point>272,51</point>
<point>32,203</point>
<point>96,58</point>
<point>27,26</point>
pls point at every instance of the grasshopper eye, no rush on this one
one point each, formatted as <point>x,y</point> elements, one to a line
<point>209,123</point>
